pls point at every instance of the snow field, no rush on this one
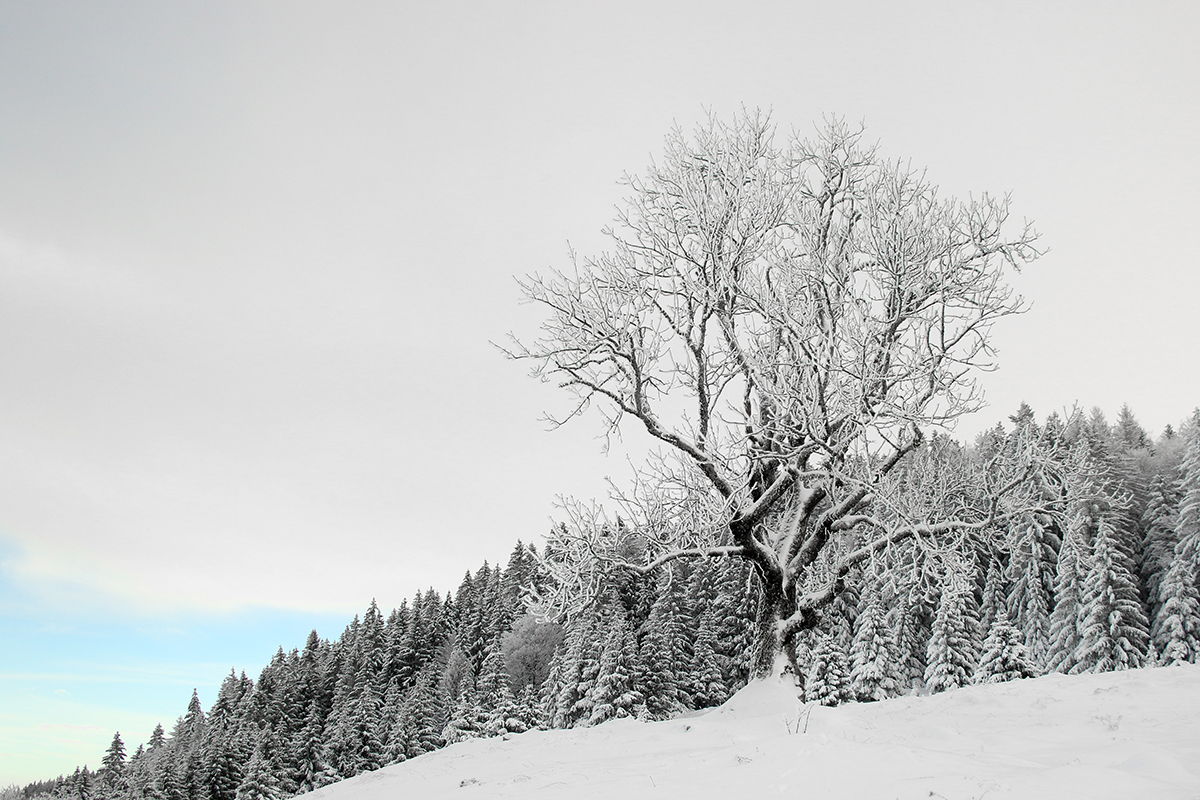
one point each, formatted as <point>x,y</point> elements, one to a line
<point>1128,735</point>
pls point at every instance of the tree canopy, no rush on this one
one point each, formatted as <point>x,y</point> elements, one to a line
<point>789,323</point>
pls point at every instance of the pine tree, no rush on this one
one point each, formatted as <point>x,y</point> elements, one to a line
<point>467,719</point>
<point>493,680</point>
<point>529,709</point>
<point>580,665</point>
<point>615,694</point>
<point>1066,621</point>
<point>260,782</point>
<point>1176,631</point>
<point>425,714</point>
<point>1127,432</point>
<point>910,611</point>
<point>953,649</point>
<point>114,761</point>
<point>828,679</point>
<point>736,610</point>
<point>708,687</point>
<point>1187,525</point>
<point>518,575</point>
<point>311,770</point>
<point>157,737</point>
<point>457,677</point>
<point>664,664</point>
<point>1115,633</point>
<point>225,772</point>
<point>1005,657</point>
<point>1032,569</point>
<point>1158,549</point>
<point>993,594</point>
<point>872,654</point>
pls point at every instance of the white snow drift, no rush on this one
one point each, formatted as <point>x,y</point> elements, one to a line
<point>1125,735</point>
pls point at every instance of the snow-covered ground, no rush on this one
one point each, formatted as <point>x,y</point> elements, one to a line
<point>1127,735</point>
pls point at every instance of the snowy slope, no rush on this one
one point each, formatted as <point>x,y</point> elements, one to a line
<point>1126,735</point>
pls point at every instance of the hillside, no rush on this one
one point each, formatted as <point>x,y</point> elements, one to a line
<point>1126,735</point>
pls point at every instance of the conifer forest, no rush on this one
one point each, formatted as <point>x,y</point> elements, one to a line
<point>1109,583</point>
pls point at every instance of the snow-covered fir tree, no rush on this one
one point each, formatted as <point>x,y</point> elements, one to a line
<point>1005,657</point>
<point>708,683</point>
<point>1066,621</point>
<point>872,654</point>
<point>1158,547</point>
<point>615,694</point>
<point>828,679</point>
<point>1114,632</point>
<point>1177,625</point>
<point>1032,569</point>
<point>953,650</point>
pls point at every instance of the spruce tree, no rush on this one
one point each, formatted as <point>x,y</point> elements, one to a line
<point>260,782</point>
<point>708,686</point>
<point>114,762</point>
<point>1005,656</point>
<point>528,710</point>
<point>872,654</point>
<point>615,694</point>
<point>1066,621</point>
<point>547,703</point>
<point>506,715</point>
<point>1032,570</point>
<point>659,681</point>
<point>953,650</point>
<point>493,680</point>
<point>467,719</point>
<point>225,763</point>
<point>828,678</point>
<point>1158,547</point>
<point>1115,633</point>
<point>993,594</point>
<point>1176,632</point>
<point>157,738</point>
<point>579,672</point>
<point>425,710</point>
<point>735,611</point>
<point>1177,625</point>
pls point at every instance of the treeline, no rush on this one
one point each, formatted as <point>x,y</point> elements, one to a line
<point>1105,578</point>
<point>436,671</point>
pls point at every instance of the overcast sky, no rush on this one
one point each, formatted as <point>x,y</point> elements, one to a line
<point>252,256</point>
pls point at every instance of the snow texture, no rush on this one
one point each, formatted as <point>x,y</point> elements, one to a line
<point>1131,734</point>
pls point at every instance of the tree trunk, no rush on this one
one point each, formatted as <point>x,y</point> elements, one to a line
<point>774,608</point>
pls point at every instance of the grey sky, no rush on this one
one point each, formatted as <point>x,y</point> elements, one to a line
<point>251,255</point>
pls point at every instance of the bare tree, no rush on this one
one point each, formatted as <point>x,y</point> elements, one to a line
<point>788,324</point>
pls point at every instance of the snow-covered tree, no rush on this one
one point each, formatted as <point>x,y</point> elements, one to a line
<point>261,781</point>
<point>1066,621</point>
<point>114,760</point>
<point>708,687</point>
<point>615,693</point>
<point>953,651</point>
<point>1005,657</point>
<point>1114,632</point>
<point>1032,567</point>
<point>811,311</point>
<point>663,660</point>
<point>1159,540</point>
<point>467,719</point>
<point>873,655</point>
<point>828,679</point>
<point>1176,632</point>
